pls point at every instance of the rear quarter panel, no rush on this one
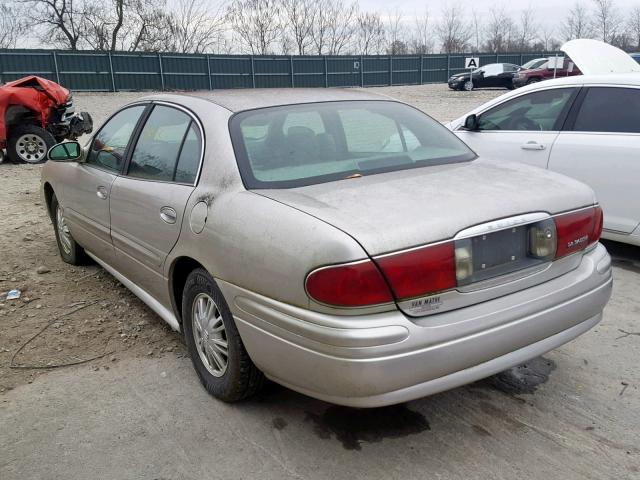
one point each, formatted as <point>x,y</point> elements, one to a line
<point>249,240</point>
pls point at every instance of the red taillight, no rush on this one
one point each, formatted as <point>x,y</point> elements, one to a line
<point>421,271</point>
<point>577,230</point>
<point>351,285</point>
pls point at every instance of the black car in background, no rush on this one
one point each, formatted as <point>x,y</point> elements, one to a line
<point>491,75</point>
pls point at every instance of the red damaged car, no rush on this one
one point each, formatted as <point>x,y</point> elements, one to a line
<point>35,114</point>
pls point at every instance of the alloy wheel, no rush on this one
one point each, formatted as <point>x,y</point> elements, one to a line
<point>63,231</point>
<point>210,334</point>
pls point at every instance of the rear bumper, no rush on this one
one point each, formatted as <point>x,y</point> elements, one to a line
<point>386,358</point>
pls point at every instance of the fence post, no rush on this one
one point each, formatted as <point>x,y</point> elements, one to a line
<point>113,79</point>
<point>448,66</point>
<point>291,68</point>
<point>55,66</point>
<point>362,70</point>
<point>390,70</point>
<point>253,73</point>
<point>161,72</point>
<point>326,72</point>
<point>209,71</point>
<point>422,68</point>
<point>521,60</point>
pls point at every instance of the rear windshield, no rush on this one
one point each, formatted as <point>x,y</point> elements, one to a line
<point>296,145</point>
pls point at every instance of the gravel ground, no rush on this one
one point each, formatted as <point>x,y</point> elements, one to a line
<point>137,411</point>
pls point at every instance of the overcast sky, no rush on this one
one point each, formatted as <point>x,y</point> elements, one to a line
<point>552,10</point>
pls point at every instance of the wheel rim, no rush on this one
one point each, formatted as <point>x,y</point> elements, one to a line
<point>63,231</point>
<point>210,334</point>
<point>31,148</point>
<point>468,86</point>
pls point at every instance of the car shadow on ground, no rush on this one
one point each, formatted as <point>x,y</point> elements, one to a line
<point>353,427</point>
<point>624,255</point>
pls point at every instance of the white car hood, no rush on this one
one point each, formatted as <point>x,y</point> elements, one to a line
<point>596,58</point>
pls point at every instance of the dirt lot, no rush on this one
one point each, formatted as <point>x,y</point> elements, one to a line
<point>575,414</point>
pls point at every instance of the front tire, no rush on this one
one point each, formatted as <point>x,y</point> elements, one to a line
<point>532,80</point>
<point>468,86</point>
<point>214,344</point>
<point>70,251</point>
<point>29,144</point>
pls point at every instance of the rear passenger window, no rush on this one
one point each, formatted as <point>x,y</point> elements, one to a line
<point>609,110</point>
<point>156,153</point>
<point>189,159</point>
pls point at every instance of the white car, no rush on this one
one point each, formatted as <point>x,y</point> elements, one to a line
<point>587,127</point>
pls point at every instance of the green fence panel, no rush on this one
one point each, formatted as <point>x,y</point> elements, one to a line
<point>112,71</point>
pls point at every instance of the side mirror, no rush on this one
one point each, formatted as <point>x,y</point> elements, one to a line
<point>65,152</point>
<point>471,123</point>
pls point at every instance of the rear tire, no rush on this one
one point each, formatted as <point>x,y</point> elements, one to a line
<point>70,251</point>
<point>214,344</point>
<point>532,80</point>
<point>29,144</point>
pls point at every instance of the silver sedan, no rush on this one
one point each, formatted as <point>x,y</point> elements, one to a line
<point>339,243</point>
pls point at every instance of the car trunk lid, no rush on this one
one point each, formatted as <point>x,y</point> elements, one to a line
<point>399,210</point>
<point>418,212</point>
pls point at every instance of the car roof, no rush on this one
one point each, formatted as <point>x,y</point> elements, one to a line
<point>632,79</point>
<point>247,99</point>
<point>616,79</point>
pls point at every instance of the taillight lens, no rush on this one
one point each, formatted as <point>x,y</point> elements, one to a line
<point>417,272</point>
<point>352,285</point>
<point>443,266</point>
<point>577,230</point>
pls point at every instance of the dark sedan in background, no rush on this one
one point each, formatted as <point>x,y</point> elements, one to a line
<point>492,75</point>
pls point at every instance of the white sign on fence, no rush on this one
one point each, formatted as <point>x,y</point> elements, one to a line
<point>471,62</point>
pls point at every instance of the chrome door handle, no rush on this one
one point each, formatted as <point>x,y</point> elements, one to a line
<point>532,146</point>
<point>168,215</point>
<point>101,192</point>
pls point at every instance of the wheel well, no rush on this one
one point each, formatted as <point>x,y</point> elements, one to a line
<point>20,115</point>
<point>182,267</point>
<point>48,195</point>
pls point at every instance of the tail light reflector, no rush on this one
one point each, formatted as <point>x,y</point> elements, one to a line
<point>577,230</point>
<point>350,285</point>
<point>420,271</point>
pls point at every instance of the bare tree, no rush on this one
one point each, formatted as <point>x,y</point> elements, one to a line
<point>257,23</point>
<point>476,29</point>
<point>606,19</point>
<point>60,21</point>
<point>527,29</point>
<point>334,26</point>
<point>370,33</point>
<point>300,16</point>
<point>577,23</point>
<point>395,33</point>
<point>422,39</point>
<point>11,27</point>
<point>546,40</point>
<point>634,26</point>
<point>195,27</point>
<point>453,30</point>
<point>499,31</point>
